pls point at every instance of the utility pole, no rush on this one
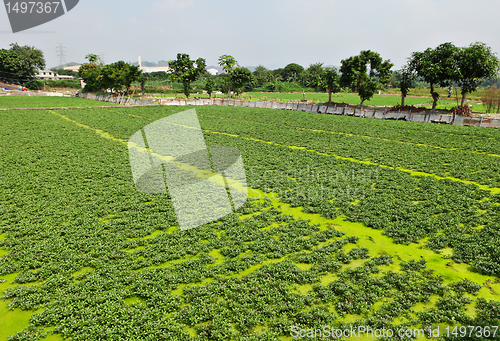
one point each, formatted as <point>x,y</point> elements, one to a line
<point>61,53</point>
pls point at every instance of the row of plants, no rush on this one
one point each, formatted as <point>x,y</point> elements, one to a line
<point>104,261</point>
<point>408,208</point>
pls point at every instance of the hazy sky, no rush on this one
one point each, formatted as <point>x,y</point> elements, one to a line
<point>272,32</point>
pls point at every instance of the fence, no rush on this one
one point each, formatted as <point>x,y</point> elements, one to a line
<point>118,99</point>
<point>380,113</point>
<point>38,93</point>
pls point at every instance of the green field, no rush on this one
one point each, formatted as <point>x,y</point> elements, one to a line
<point>47,102</point>
<point>388,100</point>
<point>377,100</point>
<point>351,222</point>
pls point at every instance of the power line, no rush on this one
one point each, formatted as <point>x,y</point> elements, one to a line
<point>61,53</point>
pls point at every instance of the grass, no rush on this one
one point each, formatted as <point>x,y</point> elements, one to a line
<point>47,102</point>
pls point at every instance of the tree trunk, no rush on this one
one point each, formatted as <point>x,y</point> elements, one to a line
<point>329,96</point>
<point>210,96</point>
<point>228,84</point>
<point>362,101</point>
<point>464,94</point>
<point>403,100</point>
<point>435,97</point>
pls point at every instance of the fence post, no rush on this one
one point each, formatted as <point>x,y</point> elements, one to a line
<point>397,116</point>
<point>481,122</point>
<point>345,109</point>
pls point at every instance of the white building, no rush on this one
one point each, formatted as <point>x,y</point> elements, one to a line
<point>47,74</point>
<point>213,72</point>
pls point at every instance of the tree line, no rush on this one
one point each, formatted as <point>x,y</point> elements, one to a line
<point>366,73</point>
<point>116,76</point>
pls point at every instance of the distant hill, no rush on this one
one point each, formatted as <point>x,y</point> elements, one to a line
<point>65,65</point>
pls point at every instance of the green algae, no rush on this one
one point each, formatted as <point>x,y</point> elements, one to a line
<point>379,244</point>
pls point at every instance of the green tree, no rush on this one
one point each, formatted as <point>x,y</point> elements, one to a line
<point>228,63</point>
<point>356,76</point>
<point>276,86</point>
<point>330,81</point>
<point>436,66</point>
<point>65,72</point>
<point>130,74</point>
<point>21,63</point>
<point>142,81</point>
<point>405,80</point>
<point>94,59</point>
<point>91,75</point>
<point>241,77</point>
<point>111,76</point>
<point>210,86</point>
<point>476,63</point>
<point>120,74</point>
<point>10,66</point>
<point>261,75</point>
<point>185,71</point>
<point>312,76</point>
<point>292,72</point>
<point>275,75</point>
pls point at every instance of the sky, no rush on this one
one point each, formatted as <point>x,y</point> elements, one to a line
<point>272,33</point>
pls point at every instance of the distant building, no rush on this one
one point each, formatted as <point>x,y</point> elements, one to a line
<point>72,68</point>
<point>213,72</point>
<point>148,69</point>
<point>47,74</point>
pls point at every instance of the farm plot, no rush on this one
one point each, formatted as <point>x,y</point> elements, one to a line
<point>337,235</point>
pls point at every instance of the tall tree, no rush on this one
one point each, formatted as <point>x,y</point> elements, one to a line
<point>31,59</point>
<point>405,79</point>
<point>228,63</point>
<point>130,73</point>
<point>476,63</point>
<point>186,72</point>
<point>241,77</point>
<point>292,72</point>
<point>10,66</point>
<point>210,86</point>
<point>312,76</point>
<point>21,63</point>
<point>436,66</point>
<point>330,81</point>
<point>261,74</point>
<point>91,73</point>
<point>94,59</point>
<point>356,76</point>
